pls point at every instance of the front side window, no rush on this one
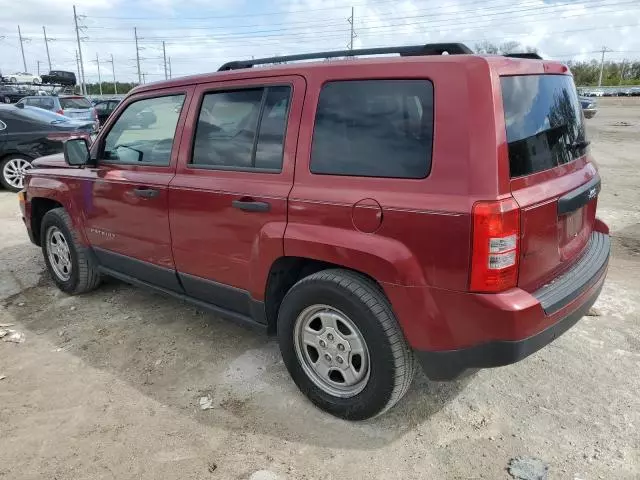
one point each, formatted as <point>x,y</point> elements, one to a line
<point>144,132</point>
<point>242,129</point>
<point>374,128</point>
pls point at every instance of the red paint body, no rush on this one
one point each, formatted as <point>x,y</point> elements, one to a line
<point>413,237</point>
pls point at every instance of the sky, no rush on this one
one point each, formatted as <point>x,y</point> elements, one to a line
<point>200,35</point>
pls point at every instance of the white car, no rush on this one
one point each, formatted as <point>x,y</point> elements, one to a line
<point>22,77</point>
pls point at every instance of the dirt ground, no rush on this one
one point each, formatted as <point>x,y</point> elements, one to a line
<point>107,385</point>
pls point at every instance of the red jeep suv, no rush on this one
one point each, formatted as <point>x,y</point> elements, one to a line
<point>373,213</point>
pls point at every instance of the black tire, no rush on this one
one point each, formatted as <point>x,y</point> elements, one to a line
<point>392,363</point>
<point>85,275</point>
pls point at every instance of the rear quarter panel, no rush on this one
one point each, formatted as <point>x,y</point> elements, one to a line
<point>424,237</point>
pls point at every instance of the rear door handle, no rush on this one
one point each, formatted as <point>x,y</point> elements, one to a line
<point>251,205</point>
<point>146,192</point>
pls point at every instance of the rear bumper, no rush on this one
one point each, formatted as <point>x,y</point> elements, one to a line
<point>462,330</point>
<point>450,364</point>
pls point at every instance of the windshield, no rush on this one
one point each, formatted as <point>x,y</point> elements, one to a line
<point>544,122</point>
<point>74,102</point>
<point>41,115</point>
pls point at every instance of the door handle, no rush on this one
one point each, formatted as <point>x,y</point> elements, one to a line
<point>146,192</point>
<point>251,205</point>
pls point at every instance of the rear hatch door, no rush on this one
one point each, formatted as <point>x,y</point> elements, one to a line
<point>552,178</point>
<point>77,108</point>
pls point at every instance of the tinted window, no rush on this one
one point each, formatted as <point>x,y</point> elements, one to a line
<point>374,128</point>
<point>544,122</point>
<point>228,123</point>
<point>46,103</point>
<point>75,102</point>
<point>101,107</point>
<point>144,132</point>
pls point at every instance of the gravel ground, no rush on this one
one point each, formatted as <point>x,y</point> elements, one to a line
<point>107,385</point>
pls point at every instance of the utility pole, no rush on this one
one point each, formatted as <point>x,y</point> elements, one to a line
<point>24,61</point>
<point>113,70</point>
<point>83,85</point>
<point>99,77</point>
<point>604,50</point>
<point>164,56</point>
<point>46,44</point>
<point>144,77</point>
<point>78,67</point>
<point>39,62</point>
<point>351,20</point>
<point>169,67</point>
<point>135,34</point>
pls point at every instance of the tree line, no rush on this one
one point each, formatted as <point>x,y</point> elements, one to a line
<point>585,73</point>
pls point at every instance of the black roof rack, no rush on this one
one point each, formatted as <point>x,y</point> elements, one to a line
<point>531,55</point>
<point>406,51</point>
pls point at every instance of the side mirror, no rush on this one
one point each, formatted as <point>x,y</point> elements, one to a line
<point>20,105</point>
<point>76,151</point>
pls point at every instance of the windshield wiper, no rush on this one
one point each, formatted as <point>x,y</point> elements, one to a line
<point>580,144</point>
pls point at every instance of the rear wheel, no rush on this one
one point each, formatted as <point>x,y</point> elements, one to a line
<point>70,264</point>
<point>12,170</point>
<point>342,345</point>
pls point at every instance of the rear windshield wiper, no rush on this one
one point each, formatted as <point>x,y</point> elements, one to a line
<point>580,145</point>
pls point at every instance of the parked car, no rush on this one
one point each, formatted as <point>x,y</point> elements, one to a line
<point>634,91</point>
<point>10,94</point>
<point>73,106</point>
<point>60,77</point>
<point>394,243</point>
<point>104,108</point>
<point>22,77</point>
<point>589,107</point>
<point>27,133</point>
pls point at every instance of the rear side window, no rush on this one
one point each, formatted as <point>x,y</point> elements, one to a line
<point>74,102</point>
<point>242,129</point>
<point>374,128</point>
<point>544,122</point>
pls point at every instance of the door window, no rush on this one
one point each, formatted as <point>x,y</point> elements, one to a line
<point>242,129</point>
<point>144,132</point>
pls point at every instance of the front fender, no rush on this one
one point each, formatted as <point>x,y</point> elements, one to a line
<point>54,189</point>
<point>384,259</point>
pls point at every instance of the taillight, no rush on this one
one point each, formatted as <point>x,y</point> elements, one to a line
<point>60,111</point>
<point>496,246</point>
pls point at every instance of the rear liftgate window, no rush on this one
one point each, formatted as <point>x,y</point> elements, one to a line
<point>544,122</point>
<point>374,128</point>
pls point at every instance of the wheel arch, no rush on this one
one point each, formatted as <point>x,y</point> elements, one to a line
<point>285,272</point>
<point>39,208</point>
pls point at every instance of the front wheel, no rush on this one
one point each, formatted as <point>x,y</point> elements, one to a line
<point>12,171</point>
<point>343,346</point>
<point>70,264</point>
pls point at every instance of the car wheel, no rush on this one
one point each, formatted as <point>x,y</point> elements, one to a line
<point>13,80</point>
<point>343,346</point>
<point>71,265</point>
<point>36,81</point>
<point>7,100</point>
<point>12,170</point>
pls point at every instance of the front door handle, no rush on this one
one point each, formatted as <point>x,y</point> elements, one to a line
<point>251,205</point>
<point>146,192</point>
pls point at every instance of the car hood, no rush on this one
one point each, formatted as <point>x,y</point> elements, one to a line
<point>51,161</point>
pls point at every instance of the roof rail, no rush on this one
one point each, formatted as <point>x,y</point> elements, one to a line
<point>406,51</point>
<point>531,55</point>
